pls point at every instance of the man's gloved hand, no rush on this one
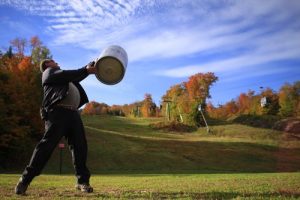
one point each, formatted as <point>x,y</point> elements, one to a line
<point>91,63</point>
<point>91,68</point>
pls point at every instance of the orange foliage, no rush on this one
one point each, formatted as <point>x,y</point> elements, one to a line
<point>95,108</point>
<point>198,85</point>
<point>25,63</point>
<point>20,98</point>
<point>148,108</point>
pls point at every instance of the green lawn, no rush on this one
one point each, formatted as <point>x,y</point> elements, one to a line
<point>162,186</point>
<point>130,160</point>
<point>125,145</point>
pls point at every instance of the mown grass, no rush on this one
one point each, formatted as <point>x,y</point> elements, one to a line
<point>162,186</point>
<point>130,160</point>
<point>118,145</point>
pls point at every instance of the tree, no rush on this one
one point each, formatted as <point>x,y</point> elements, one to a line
<point>148,107</point>
<point>20,99</point>
<point>38,51</point>
<point>19,44</point>
<point>198,87</point>
<point>183,99</point>
<point>289,98</point>
<point>174,102</point>
<point>231,108</point>
<point>272,104</point>
<point>9,53</point>
<point>95,108</point>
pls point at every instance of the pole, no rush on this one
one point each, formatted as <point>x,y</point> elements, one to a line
<point>138,111</point>
<point>207,128</point>
<point>200,109</point>
<point>61,146</point>
<point>168,111</point>
<point>180,115</point>
<point>60,161</point>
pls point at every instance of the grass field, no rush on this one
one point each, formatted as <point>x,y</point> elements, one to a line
<point>130,160</point>
<point>125,145</point>
<point>158,186</point>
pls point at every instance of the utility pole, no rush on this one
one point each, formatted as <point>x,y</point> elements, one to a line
<point>200,109</point>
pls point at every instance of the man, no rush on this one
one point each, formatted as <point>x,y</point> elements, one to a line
<point>63,95</point>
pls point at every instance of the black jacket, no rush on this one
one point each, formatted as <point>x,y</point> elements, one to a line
<point>55,83</point>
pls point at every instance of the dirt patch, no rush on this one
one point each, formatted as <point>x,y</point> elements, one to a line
<point>290,125</point>
<point>288,159</point>
<point>173,127</point>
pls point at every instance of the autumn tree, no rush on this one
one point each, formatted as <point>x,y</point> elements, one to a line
<point>148,107</point>
<point>38,50</point>
<point>95,108</point>
<point>198,87</point>
<point>20,99</point>
<point>289,98</point>
<point>182,100</point>
<point>174,102</point>
<point>19,44</point>
<point>116,110</point>
<point>231,108</point>
<point>272,102</point>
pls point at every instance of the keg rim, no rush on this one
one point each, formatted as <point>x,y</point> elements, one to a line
<point>110,83</point>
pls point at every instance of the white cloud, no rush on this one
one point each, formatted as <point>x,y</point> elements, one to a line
<point>268,49</point>
<point>165,29</point>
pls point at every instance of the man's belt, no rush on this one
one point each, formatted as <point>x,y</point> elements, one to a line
<point>67,107</point>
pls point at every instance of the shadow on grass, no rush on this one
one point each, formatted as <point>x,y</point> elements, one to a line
<point>125,149</point>
<point>116,153</point>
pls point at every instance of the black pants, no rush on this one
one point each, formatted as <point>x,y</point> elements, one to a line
<point>61,122</point>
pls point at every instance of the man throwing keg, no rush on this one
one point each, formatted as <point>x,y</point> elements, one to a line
<point>63,95</point>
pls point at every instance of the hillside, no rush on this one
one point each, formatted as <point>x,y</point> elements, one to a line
<point>127,145</point>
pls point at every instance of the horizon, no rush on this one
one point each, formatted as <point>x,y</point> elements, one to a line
<point>247,44</point>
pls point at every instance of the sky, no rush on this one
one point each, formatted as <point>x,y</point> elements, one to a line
<point>248,44</point>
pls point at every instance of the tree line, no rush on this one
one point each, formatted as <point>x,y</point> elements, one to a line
<point>144,108</point>
<point>20,96</point>
<point>284,103</point>
<point>180,102</point>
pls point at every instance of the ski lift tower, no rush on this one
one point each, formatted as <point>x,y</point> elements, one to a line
<point>168,113</point>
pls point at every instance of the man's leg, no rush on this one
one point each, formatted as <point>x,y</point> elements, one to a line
<point>42,152</point>
<point>78,147</point>
<point>54,130</point>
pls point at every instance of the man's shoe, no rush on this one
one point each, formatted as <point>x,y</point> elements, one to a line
<point>21,187</point>
<point>84,187</point>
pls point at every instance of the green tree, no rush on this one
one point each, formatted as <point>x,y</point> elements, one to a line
<point>38,51</point>
<point>289,98</point>
<point>9,53</point>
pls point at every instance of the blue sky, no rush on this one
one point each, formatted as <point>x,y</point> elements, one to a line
<point>247,44</point>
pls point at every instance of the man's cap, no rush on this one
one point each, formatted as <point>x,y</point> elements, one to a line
<point>43,64</point>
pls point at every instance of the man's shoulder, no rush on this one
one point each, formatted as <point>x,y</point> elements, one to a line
<point>51,70</point>
<point>48,72</point>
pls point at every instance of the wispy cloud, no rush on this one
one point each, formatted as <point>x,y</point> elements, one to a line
<point>266,31</point>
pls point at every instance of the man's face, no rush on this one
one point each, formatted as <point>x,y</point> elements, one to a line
<point>52,64</point>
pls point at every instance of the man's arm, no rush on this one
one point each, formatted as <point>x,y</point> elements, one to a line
<point>66,76</point>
